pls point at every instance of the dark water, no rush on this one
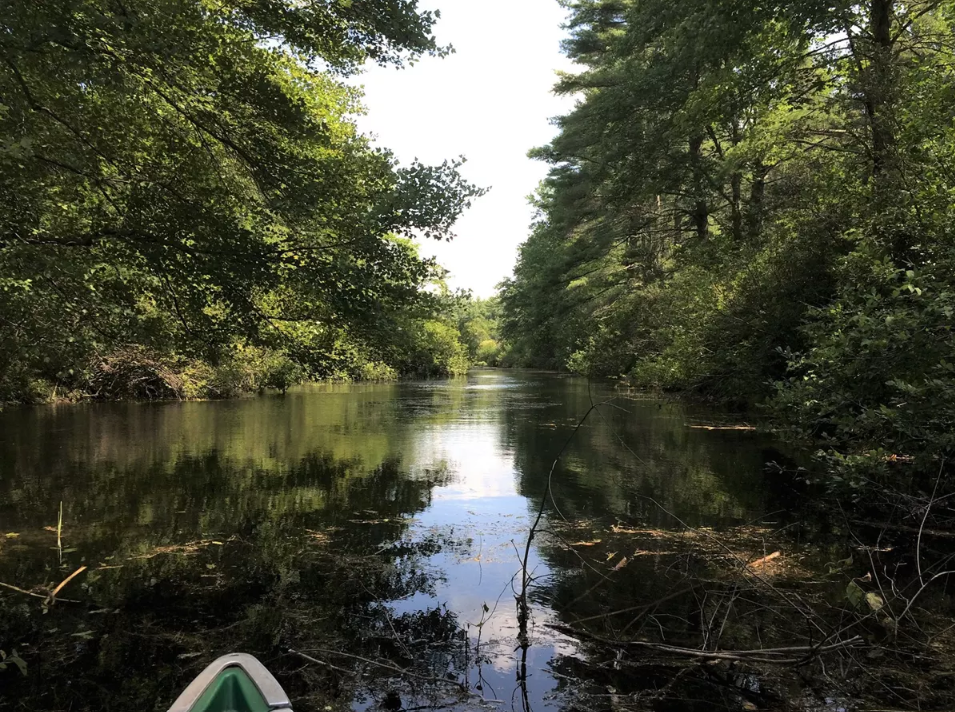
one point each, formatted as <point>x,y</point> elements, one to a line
<point>368,525</point>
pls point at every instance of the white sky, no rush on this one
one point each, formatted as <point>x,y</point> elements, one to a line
<point>490,101</point>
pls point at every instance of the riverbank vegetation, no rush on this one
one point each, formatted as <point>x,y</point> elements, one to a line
<point>479,323</point>
<point>188,209</point>
<point>752,202</point>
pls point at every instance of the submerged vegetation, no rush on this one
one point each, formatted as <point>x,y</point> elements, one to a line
<point>189,211</point>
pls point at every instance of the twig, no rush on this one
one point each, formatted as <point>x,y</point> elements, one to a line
<point>59,534</point>
<point>739,655</point>
<point>391,624</point>
<point>46,598</point>
<point>940,533</point>
<point>20,590</point>
<point>928,509</point>
<point>65,581</point>
<point>385,666</point>
<point>919,592</point>
<point>525,579</point>
<point>646,606</point>
<point>323,663</point>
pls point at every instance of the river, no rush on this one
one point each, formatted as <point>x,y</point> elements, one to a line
<point>372,527</point>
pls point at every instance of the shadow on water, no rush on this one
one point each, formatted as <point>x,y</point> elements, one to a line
<point>374,528</point>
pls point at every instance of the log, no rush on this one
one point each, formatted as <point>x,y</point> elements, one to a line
<point>766,559</point>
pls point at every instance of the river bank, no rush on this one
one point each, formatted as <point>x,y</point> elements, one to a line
<point>138,374</point>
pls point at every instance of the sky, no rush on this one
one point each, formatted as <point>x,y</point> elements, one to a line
<point>491,101</point>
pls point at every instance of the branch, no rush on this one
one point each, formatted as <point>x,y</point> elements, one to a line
<point>756,656</point>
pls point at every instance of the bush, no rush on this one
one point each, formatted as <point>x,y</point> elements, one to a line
<point>489,353</point>
<point>248,369</point>
<point>878,382</point>
<point>18,386</point>
<point>377,371</point>
<point>134,372</point>
<point>436,350</point>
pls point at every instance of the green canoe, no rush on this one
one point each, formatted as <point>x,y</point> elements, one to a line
<point>233,683</point>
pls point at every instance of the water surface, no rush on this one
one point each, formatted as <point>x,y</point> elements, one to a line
<point>367,525</point>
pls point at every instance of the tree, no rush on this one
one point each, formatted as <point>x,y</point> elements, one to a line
<point>186,173</point>
<point>752,201</point>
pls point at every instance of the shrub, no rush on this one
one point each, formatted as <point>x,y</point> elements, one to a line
<point>436,350</point>
<point>377,371</point>
<point>877,381</point>
<point>134,372</point>
<point>489,353</point>
<point>248,369</point>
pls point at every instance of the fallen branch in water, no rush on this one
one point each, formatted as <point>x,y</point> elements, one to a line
<point>746,428</point>
<point>49,598</point>
<point>644,607</point>
<point>940,533</point>
<point>65,581</point>
<point>323,663</point>
<point>385,666</point>
<point>21,590</point>
<point>754,656</point>
<point>766,559</point>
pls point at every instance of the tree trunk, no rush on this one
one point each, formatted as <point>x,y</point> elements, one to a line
<point>700,213</point>
<point>757,192</point>
<point>736,185</point>
<point>736,181</point>
<point>878,89</point>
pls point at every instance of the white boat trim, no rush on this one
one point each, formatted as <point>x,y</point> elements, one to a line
<point>272,692</point>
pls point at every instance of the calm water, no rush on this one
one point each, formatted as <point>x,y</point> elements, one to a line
<point>361,523</point>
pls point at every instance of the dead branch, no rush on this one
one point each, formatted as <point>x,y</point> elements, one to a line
<point>644,607</point>
<point>21,590</point>
<point>766,559</point>
<point>940,533</point>
<point>385,666</point>
<point>809,651</point>
<point>65,581</point>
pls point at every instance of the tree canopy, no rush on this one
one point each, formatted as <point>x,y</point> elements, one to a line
<point>186,176</point>
<point>751,201</point>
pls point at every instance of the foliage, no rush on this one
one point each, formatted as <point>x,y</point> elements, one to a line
<point>478,321</point>
<point>435,350</point>
<point>12,659</point>
<point>186,176</point>
<point>377,371</point>
<point>752,201</point>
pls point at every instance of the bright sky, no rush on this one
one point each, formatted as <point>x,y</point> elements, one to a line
<point>490,101</point>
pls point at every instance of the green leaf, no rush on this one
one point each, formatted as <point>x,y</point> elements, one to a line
<point>14,659</point>
<point>875,601</point>
<point>855,595</point>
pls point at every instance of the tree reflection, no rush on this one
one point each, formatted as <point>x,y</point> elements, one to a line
<point>190,561</point>
<point>276,524</point>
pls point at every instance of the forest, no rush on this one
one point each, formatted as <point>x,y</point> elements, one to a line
<point>188,209</point>
<point>752,203</point>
